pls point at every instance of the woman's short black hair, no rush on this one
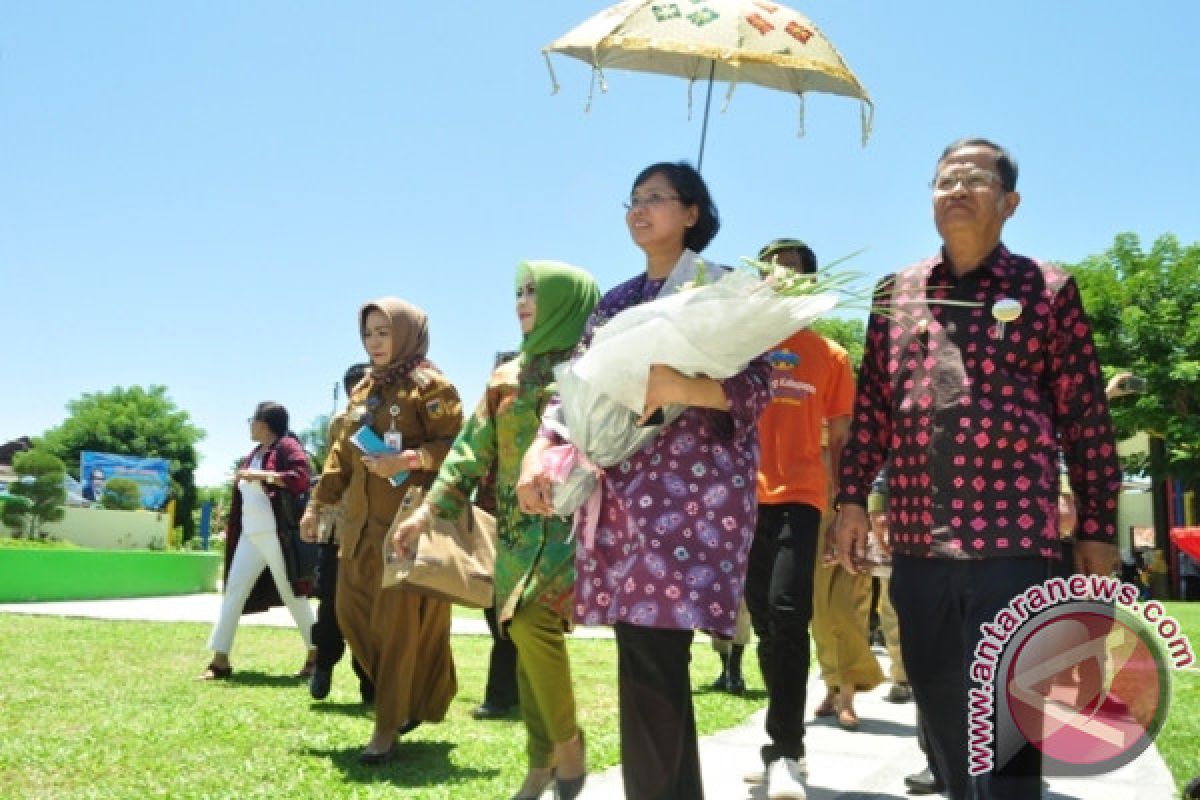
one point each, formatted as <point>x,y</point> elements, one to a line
<point>273,415</point>
<point>692,191</point>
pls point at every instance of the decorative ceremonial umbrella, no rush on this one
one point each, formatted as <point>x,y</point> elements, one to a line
<point>737,41</point>
<point>1187,540</point>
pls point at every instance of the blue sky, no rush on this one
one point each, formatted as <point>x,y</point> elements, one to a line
<point>201,194</point>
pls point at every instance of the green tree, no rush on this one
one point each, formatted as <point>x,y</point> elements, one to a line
<point>122,494</point>
<point>316,442</point>
<point>849,333</point>
<point>40,481</point>
<point>133,421</point>
<point>1143,306</point>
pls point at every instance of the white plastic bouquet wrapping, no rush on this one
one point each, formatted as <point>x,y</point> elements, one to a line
<point>713,329</point>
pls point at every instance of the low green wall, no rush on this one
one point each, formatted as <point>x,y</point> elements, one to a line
<point>77,574</point>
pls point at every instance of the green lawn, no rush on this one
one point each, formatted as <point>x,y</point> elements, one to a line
<point>97,709</point>
<point>1179,741</point>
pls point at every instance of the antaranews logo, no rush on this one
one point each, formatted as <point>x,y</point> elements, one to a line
<point>1077,668</point>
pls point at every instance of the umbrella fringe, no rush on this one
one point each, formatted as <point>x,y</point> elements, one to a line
<point>728,96</point>
<point>596,73</point>
<point>554,87</point>
<point>866,110</point>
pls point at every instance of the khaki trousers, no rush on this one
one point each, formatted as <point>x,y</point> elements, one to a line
<point>841,603</point>
<point>891,632</point>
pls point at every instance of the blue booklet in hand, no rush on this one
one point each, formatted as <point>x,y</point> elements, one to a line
<point>369,442</point>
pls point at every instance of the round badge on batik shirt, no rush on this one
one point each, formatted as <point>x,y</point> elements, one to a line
<point>1005,310</point>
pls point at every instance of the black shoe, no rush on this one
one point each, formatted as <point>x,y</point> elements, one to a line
<point>487,710</point>
<point>736,685</point>
<point>369,759</point>
<point>721,684</point>
<point>320,683</point>
<point>923,782</point>
<point>570,788</point>
<point>899,693</point>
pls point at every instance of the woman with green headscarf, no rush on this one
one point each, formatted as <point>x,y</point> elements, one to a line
<point>535,558</point>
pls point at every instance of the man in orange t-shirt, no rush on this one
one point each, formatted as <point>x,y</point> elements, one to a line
<point>812,386</point>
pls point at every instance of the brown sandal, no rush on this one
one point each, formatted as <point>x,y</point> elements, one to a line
<point>214,673</point>
<point>847,719</point>
<point>310,666</point>
<point>827,708</point>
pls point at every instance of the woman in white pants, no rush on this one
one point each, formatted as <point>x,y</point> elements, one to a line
<point>274,472</point>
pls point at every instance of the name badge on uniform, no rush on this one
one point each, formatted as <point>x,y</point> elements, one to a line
<point>394,440</point>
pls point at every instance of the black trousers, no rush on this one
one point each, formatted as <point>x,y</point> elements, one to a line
<point>326,633</point>
<point>501,690</point>
<point>660,757</point>
<point>940,605</point>
<point>923,743</point>
<point>779,596</point>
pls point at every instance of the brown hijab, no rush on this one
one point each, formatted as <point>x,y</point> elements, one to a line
<point>410,337</point>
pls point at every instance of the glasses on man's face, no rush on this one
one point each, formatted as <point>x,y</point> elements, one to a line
<point>973,180</point>
<point>648,201</point>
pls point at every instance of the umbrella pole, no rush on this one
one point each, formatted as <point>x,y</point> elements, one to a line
<point>712,69</point>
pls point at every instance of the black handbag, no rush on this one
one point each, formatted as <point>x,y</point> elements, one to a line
<point>299,557</point>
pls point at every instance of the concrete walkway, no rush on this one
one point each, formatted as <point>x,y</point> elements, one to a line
<point>869,763</point>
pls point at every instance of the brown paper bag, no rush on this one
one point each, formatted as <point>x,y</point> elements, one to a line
<point>454,560</point>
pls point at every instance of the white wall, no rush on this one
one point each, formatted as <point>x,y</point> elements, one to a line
<point>1133,508</point>
<point>112,530</point>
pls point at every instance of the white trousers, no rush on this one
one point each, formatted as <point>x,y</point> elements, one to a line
<point>254,552</point>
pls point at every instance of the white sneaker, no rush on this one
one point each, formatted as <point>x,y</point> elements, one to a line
<point>785,779</point>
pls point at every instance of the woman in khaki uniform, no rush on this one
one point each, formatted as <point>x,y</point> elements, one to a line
<point>401,639</point>
<point>841,607</point>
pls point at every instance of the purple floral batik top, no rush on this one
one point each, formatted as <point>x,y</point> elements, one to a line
<point>677,518</point>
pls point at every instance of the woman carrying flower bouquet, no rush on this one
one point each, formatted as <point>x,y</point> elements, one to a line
<point>401,639</point>
<point>535,558</point>
<point>668,556</point>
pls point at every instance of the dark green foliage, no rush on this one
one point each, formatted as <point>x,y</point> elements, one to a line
<point>133,421</point>
<point>40,482</point>
<point>1145,311</point>
<point>316,441</point>
<point>849,333</point>
<point>121,494</point>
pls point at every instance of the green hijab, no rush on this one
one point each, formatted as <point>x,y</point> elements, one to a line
<point>565,297</point>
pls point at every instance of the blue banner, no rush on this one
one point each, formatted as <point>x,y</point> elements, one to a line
<point>152,475</point>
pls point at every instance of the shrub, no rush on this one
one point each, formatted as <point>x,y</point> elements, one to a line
<point>40,481</point>
<point>121,494</point>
